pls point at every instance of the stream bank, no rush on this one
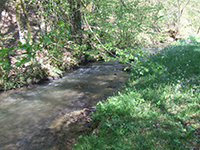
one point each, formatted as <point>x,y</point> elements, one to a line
<point>53,114</point>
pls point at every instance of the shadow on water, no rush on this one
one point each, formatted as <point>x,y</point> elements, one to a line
<point>52,115</point>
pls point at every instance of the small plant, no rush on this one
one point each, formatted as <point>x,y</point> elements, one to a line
<point>158,109</point>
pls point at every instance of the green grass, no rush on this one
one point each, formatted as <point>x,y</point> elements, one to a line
<point>159,110</point>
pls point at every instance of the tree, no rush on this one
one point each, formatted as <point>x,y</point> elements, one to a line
<point>76,21</point>
<point>20,5</point>
<point>180,16</point>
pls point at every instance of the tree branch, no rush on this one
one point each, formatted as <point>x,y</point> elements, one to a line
<point>101,43</point>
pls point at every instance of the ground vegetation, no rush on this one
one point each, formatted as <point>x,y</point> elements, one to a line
<point>158,110</point>
<point>160,106</point>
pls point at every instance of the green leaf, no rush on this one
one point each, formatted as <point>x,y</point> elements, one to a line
<point>52,51</point>
<point>20,43</point>
<point>60,22</point>
<point>47,40</point>
<point>40,39</point>
<point>57,44</point>
<point>24,60</point>
<point>11,52</point>
<point>45,13</point>
<point>17,64</point>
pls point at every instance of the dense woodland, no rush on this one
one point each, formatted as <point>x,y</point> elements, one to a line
<point>42,39</point>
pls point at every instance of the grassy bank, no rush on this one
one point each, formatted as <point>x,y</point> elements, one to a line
<point>159,110</point>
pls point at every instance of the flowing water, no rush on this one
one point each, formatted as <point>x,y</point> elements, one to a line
<point>53,114</point>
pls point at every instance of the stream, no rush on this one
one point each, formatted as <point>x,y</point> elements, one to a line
<point>51,115</point>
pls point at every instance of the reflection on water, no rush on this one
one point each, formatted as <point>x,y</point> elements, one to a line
<point>43,117</point>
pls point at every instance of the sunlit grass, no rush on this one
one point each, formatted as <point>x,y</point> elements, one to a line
<point>160,110</point>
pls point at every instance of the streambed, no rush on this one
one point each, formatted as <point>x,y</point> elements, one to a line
<point>53,114</point>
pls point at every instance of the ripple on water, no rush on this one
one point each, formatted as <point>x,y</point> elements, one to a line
<point>48,116</point>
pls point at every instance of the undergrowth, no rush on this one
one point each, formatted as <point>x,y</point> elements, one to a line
<point>159,110</point>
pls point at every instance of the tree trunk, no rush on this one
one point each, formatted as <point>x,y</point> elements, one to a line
<point>27,21</point>
<point>20,3</point>
<point>75,16</point>
<point>19,23</point>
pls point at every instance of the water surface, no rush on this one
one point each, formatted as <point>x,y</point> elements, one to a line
<point>52,115</point>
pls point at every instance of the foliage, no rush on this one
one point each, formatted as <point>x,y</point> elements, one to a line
<point>177,16</point>
<point>159,110</point>
<point>25,68</point>
<point>61,45</point>
<point>28,67</point>
<point>121,24</point>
